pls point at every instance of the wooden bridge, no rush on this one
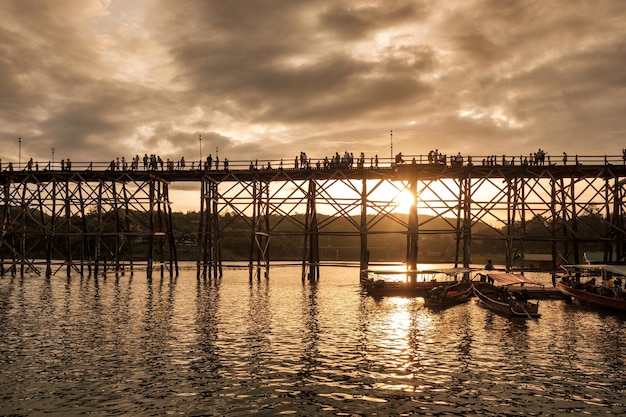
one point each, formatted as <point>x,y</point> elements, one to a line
<point>94,217</point>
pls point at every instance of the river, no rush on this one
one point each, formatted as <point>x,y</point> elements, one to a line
<point>127,346</point>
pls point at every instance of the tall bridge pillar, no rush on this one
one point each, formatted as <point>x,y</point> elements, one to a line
<point>412,232</point>
<point>364,258</point>
<point>209,256</point>
<point>618,219</point>
<point>463,228</point>
<point>260,238</point>
<point>311,256</point>
<point>161,235</point>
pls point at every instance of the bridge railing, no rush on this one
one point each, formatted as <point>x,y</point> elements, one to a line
<point>314,163</point>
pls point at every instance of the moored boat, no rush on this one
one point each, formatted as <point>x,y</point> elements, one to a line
<point>389,283</point>
<point>449,295</point>
<point>595,284</point>
<point>506,293</point>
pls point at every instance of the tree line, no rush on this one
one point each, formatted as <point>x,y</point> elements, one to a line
<point>126,233</point>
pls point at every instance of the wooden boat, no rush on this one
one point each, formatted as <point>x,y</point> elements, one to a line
<point>388,283</point>
<point>509,297</point>
<point>595,284</point>
<point>448,296</point>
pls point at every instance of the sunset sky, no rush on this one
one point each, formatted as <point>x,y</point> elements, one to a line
<point>267,79</point>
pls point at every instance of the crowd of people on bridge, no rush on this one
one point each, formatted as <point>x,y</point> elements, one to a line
<point>347,160</point>
<point>154,162</point>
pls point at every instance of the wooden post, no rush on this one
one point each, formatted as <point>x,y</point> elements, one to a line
<point>412,233</point>
<point>458,233</point>
<point>173,254</point>
<point>311,257</point>
<point>467,221</point>
<point>23,232</point>
<point>200,238</point>
<point>98,244</point>
<point>68,229</point>
<point>523,182</point>
<point>364,258</point>
<point>45,233</point>
<point>253,229</point>
<point>7,224</point>
<point>574,217</point>
<point>553,226</point>
<point>150,259</point>
<point>618,220</point>
<point>564,217</point>
<point>511,199</point>
<point>209,253</point>
<point>116,216</point>
<point>127,229</point>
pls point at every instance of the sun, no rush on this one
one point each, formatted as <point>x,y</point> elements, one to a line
<point>404,201</point>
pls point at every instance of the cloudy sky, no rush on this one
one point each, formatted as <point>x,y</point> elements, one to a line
<point>98,79</point>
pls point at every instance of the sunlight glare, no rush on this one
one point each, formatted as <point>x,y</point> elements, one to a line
<point>404,201</point>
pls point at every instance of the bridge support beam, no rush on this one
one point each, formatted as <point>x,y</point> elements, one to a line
<point>76,220</point>
<point>260,236</point>
<point>412,233</point>
<point>209,254</point>
<point>311,256</point>
<point>364,258</point>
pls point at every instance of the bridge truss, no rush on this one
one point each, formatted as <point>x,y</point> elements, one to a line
<point>90,221</point>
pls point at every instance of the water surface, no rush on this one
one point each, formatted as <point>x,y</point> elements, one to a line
<point>129,346</point>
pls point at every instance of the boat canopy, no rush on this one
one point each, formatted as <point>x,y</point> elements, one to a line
<point>509,279</point>
<point>447,271</point>
<point>615,269</point>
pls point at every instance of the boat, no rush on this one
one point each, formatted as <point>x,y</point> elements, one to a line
<point>449,295</point>
<point>596,284</point>
<point>394,283</point>
<point>507,294</point>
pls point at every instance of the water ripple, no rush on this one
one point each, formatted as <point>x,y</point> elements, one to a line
<point>279,347</point>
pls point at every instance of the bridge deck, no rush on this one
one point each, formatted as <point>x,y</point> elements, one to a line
<point>396,172</point>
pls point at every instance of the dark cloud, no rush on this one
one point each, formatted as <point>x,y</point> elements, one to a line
<point>268,79</point>
<point>355,23</point>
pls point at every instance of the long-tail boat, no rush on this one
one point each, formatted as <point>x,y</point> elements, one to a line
<point>449,295</point>
<point>596,284</point>
<point>506,293</point>
<point>408,283</point>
